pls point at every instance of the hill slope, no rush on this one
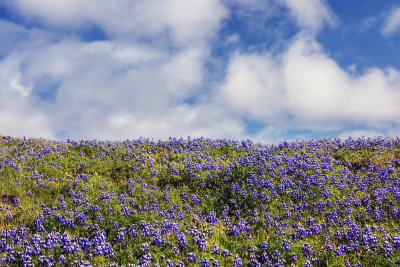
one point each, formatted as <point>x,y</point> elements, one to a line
<point>199,202</point>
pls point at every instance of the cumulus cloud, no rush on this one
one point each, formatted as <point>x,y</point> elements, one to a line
<point>318,89</point>
<point>108,90</point>
<point>94,81</point>
<point>303,88</point>
<point>253,87</point>
<point>311,15</point>
<point>132,84</point>
<point>392,22</point>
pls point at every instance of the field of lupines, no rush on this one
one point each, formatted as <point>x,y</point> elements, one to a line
<point>199,202</point>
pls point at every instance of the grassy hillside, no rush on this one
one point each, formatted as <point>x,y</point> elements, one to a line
<point>199,202</point>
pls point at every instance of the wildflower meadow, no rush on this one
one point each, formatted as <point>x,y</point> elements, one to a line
<point>199,202</point>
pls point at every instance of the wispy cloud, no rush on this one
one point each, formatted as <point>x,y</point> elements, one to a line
<point>392,22</point>
<point>183,23</point>
<point>311,15</point>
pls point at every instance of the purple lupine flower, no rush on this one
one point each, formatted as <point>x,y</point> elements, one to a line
<point>202,245</point>
<point>235,231</point>
<point>294,258</point>
<point>285,245</point>
<point>122,199</point>
<point>85,244</point>
<point>212,218</point>
<point>306,249</point>
<point>264,246</point>
<point>42,259</point>
<point>215,250</point>
<point>214,262</point>
<point>145,248</point>
<point>204,262</point>
<point>191,257</point>
<point>395,213</point>
<point>195,200</point>
<point>182,242</point>
<point>176,251</point>
<point>126,211</point>
<point>169,263</point>
<point>15,201</point>
<point>225,253</point>
<point>157,239</point>
<point>396,242</point>
<point>388,249</point>
<point>341,249</point>
<point>237,261</point>
<point>62,259</point>
<point>121,237</point>
<point>81,219</point>
<point>132,230</point>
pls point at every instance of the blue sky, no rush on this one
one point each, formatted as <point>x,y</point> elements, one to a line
<point>268,70</point>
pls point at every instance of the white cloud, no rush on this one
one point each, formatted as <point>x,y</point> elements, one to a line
<point>318,89</point>
<point>181,121</point>
<point>122,87</point>
<point>19,114</point>
<point>311,14</point>
<point>110,90</point>
<point>303,88</point>
<point>15,84</point>
<point>254,87</point>
<point>392,23</point>
<point>187,22</point>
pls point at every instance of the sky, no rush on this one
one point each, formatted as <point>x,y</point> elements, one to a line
<point>265,70</point>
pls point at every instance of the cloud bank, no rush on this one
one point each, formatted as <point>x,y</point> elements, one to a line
<point>148,75</point>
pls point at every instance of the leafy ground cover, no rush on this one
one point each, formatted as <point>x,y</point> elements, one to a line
<point>199,202</point>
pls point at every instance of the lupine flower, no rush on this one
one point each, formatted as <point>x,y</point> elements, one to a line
<point>225,253</point>
<point>145,248</point>
<point>182,243</point>
<point>176,251</point>
<point>191,257</point>
<point>62,259</point>
<point>306,249</point>
<point>169,263</point>
<point>215,250</point>
<point>388,249</point>
<point>237,261</point>
<point>204,262</point>
<point>126,211</point>
<point>285,245</point>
